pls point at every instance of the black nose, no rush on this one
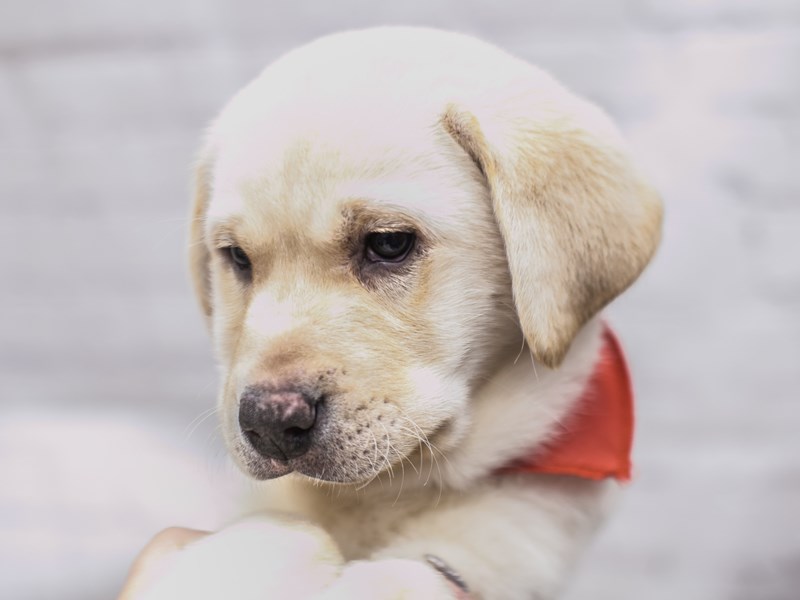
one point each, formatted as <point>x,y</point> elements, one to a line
<point>278,423</point>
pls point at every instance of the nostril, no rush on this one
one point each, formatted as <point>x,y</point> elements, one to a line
<point>296,431</point>
<point>251,435</point>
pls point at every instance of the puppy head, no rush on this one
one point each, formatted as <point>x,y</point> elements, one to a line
<point>375,227</point>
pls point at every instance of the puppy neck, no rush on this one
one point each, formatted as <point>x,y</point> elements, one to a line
<point>519,408</point>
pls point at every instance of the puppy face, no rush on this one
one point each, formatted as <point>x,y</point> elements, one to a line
<point>362,244</point>
<point>354,283</point>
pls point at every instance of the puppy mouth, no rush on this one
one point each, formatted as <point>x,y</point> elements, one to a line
<point>262,468</point>
<point>316,464</point>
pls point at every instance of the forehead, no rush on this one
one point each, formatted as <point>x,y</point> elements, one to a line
<point>301,179</point>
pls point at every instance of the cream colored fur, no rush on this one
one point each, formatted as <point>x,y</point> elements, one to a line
<point>530,219</point>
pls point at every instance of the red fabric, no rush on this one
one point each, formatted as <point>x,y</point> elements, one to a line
<point>598,434</point>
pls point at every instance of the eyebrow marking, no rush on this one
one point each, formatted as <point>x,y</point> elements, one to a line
<point>369,216</point>
<point>222,234</point>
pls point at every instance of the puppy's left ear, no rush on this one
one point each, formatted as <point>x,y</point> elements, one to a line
<point>199,256</point>
<point>578,223</point>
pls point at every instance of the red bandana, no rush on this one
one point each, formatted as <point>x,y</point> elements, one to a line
<point>596,439</point>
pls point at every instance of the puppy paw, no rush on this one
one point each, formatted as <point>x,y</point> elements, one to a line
<point>391,579</point>
<point>254,559</point>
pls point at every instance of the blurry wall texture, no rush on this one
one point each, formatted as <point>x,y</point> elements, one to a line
<point>104,361</point>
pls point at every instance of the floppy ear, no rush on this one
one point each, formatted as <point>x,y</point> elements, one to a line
<point>198,251</point>
<point>577,222</point>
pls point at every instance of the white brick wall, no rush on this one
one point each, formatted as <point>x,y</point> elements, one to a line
<point>101,103</point>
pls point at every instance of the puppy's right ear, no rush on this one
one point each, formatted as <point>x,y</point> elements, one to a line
<point>198,250</point>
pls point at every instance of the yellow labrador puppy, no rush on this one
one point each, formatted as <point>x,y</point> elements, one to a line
<point>402,239</point>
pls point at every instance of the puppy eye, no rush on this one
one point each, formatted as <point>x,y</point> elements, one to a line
<point>389,246</point>
<point>239,258</point>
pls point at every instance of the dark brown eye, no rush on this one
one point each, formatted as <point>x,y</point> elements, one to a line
<point>239,258</point>
<point>389,246</point>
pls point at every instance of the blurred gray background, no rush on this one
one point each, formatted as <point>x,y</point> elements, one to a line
<point>105,368</point>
